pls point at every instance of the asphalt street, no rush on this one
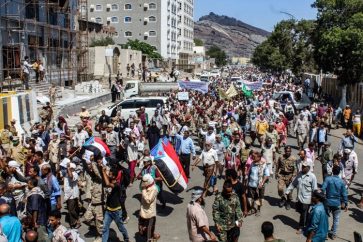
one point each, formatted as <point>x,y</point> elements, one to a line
<point>171,221</point>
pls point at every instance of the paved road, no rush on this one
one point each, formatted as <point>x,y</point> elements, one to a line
<point>171,222</point>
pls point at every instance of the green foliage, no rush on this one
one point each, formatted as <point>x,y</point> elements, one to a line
<point>102,42</point>
<point>198,42</point>
<point>339,38</point>
<point>218,54</point>
<point>146,49</point>
<point>288,47</point>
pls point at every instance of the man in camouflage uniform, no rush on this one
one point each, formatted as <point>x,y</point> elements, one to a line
<point>286,170</point>
<point>95,193</point>
<point>18,152</point>
<point>227,214</point>
<point>5,136</point>
<point>54,150</point>
<point>326,156</point>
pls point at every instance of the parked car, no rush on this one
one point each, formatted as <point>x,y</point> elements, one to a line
<point>130,106</point>
<point>299,100</point>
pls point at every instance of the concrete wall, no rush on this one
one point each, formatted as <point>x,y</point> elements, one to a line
<point>103,66</point>
<point>75,108</point>
<point>129,57</point>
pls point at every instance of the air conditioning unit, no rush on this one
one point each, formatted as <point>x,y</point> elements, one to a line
<point>93,19</point>
<point>108,19</point>
<point>108,6</point>
<point>146,6</point>
<point>92,7</point>
<point>146,34</point>
<point>146,20</point>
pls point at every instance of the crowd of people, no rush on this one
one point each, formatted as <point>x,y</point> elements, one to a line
<point>243,143</point>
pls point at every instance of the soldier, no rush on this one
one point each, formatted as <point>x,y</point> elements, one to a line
<point>227,214</point>
<point>302,130</point>
<point>112,141</point>
<point>52,94</point>
<point>13,128</point>
<point>326,156</point>
<point>18,152</point>
<point>54,150</point>
<point>96,195</point>
<point>6,136</point>
<point>285,172</point>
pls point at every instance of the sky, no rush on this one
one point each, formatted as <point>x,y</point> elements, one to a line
<point>263,14</point>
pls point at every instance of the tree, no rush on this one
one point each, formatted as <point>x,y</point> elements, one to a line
<point>339,40</point>
<point>102,42</point>
<point>288,47</point>
<point>146,49</point>
<point>218,54</point>
<point>198,42</point>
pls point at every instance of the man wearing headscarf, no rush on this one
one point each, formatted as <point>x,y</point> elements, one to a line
<point>197,219</point>
<point>147,218</point>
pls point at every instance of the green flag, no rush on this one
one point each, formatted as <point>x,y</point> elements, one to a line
<point>246,91</point>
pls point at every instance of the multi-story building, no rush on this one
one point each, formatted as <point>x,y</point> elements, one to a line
<point>164,24</point>
<point>44,30</point>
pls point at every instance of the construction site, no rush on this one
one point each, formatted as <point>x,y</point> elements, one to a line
<point>52,32</point>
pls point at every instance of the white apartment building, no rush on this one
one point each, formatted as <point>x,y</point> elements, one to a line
<point>165,24</point>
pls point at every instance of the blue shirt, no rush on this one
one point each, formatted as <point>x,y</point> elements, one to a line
<point>254,178</point>
<point>11,227</point>
<point>186,145</point>
<point>335,191</point>
<point>319,223</point>
<point>53,187</point>
<point>348,142</point>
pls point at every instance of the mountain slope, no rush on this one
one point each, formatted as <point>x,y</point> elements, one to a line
<point>235,37</point>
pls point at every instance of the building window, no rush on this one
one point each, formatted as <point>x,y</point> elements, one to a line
<point>152,33</point>
<point>127,19</point>
<point>128,6</point>
<point>98,7</point>
<point>98,20</point>
<point>152,19</point>
<point>114,7</point>
<point>128,34</point>
<point>152,6</point>
<point>114,20</point>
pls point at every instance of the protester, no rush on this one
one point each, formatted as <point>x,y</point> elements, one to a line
<point>267,229</point>
<point>306,183</point>
<point>336,198</point>
<point>197,220</point>
<point>317,229</point>
<point>227,214</point>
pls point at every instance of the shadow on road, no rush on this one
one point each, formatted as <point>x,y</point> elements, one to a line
<point>287,221</point>
<point>273,201</point>
<point>113,236</point>
<point>357,214</point>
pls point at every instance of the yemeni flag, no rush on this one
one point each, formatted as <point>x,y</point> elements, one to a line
<point>97,146</point>
<point>246,91</point>
<point>167,161</point>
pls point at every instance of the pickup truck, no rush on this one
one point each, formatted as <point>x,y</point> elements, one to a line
<point>134,88</point>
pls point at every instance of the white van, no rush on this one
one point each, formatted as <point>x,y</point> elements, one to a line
<point>130,106</point>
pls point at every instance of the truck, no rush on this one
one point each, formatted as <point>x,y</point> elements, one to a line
<point>135,88</point>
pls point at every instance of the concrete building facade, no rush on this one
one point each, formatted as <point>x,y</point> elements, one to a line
<point>43,30</point>
<point>165,24</point>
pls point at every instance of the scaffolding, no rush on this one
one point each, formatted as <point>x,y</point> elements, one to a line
<point>48,31</point>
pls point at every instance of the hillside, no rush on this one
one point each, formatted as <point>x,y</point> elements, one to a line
<point>235,37</point>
